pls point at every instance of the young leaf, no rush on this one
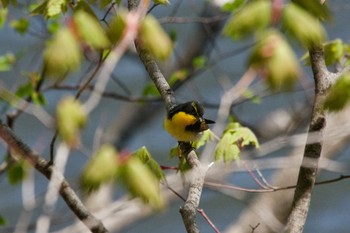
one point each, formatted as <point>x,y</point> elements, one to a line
<point>235,137</point>
<point>101,169</point>
<point>232,5</point>
<point>155,39</point>
<point>51,8</point>
<point>315,8</point>
<point>207,135</point>
<point>162,2</point>
<point>339,94</point>
<point>3,15</point>
<point>141,182</point>
<point>62,54</point>
<point>90,30</point>
<point>17,172</point>
<point>20,25</point>
<point>269,55</point>
<point>254,17</point>
<point>71,117</point>
<point>117,26</point>
<point>6,61</point>
<point>333,51</point>
<point>145,157</point>
<point>307,29</point>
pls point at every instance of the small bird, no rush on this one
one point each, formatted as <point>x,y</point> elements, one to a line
<point>185,121</point>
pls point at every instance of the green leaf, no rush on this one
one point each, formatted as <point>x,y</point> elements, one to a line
<point>339,94</point>
<point>86,7</point>
<point>6,61</point>
<point>90,30</point>
<point>3,15</point>
<point>249,94</point>
<point>141,182</point>
<point>117,26</point>
<point>151,90</point>
<point>162,2</point>
<point>254,17</point>
<point>17,172</point>
<point>315,8</point>
<point>333,51</point>
<point>207,136</point>
<point>145,157</point>
<point>51,8</point>
<point>62,54</point>
<point>307,30</point>
<point>179,75</point>
<point>234,138</point>
<point>199,62</point>
<point>2,220</point>
<point>233,5</point>
<point>269,55</point>
<point>155,39</point>
<point>104,3</point>
<point>71,117</point>
<point>101,169</point>
<point>21,25</point>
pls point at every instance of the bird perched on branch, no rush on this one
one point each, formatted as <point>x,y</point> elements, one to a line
<point>185,121</point>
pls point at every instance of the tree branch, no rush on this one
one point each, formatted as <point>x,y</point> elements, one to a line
<point>312,152</point>
<point>45,168</point>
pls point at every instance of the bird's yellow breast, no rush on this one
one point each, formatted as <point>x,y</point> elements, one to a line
<point>176,126</point>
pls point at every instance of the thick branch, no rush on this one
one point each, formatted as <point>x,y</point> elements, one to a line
<point>312,152</point>
<point>44,167</point>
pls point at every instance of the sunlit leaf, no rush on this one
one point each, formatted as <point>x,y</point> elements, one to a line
<point>62,53</point>
<point>145,157</point>
<point>6,62</point>
<point>71,117</point>
<point>333,51</point>
<point>339,94</point>
<point>234,138</point>
<point>101,169</point>
<point>51,8</point>
<point>155,39</point>
<point>207,136</point>
<point>232,5</point>
<point>90,30</point>
<point>20,25</point>
<point>254,17</point>
<point>269,55</point>
<point>141,182</point>
<point>307,30</point>
<point>86,7</point>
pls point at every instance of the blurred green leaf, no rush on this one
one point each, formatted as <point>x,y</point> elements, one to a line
<point>6,61</point>
<point>269,55</point>
<point>249,94</point>
<point>199,62</point>
<point>117,26</point>
<point>252,18</point>
<point>232,5</point>
<point>179,75</point>
<point>234,138</point>
<point>333,51</point>
<point>303,26</point>
<point>84,6</point>
<point>2,220</point>
<point>3,15</point>
<point>104,3</point>
<point>51,8</point>
<point>90,30</point>
<point>71,117</point>
<point>155,39</point>
<point>141,182</point>
<point>101,169</point>
<point>21,25</point>
<point>17,172</point>
<point>315,8</point>
<point>339,94</point>
<point>62,54</point>
<point>150,89</point>
<point>145,157</point>
<point>162,2</point>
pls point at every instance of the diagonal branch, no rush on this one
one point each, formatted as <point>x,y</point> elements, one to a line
<point>45,168</point>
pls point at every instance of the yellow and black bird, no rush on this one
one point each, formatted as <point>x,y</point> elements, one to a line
<point>185,121</point>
